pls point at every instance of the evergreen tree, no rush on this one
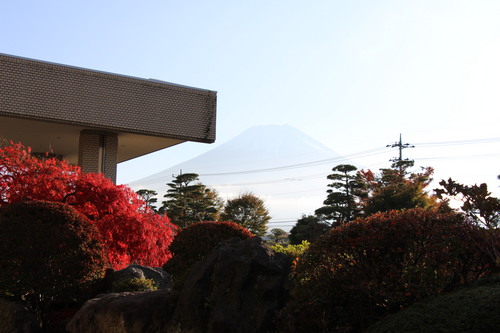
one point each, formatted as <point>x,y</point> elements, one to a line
<point>397,188</point>
<point>149,197</point>
<point>342,203</point>
<point>189,201</point>
<point>307,228</point>
<point>278,236</point>
<point>248,211</point>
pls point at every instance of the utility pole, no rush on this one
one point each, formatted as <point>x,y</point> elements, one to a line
<point>400,145</point>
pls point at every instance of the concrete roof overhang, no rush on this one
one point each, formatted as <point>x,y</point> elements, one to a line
<point>46,106</point>
<point>64,139</point>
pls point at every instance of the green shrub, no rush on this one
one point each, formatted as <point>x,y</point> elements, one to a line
<point>358,272</point>
<point>473,309</point>
<point>293,251</point>
<point>194,242</point>
<point>48,251</point>
<point>135,284</point>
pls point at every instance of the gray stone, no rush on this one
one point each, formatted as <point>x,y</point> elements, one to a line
<point>238,287</point>
<point>124,313</point>
<point>15,318</point>
<point>161,278</point>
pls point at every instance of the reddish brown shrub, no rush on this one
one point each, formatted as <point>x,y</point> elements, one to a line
<point>194,242</point>
<point>358,272</point>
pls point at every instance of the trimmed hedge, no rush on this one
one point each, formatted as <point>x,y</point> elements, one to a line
<point>47,249</point>
<point>191,244</point>
<point>473,309</point>
<point>359,272</point>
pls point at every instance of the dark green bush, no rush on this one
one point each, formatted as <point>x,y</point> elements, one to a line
<point>473,309</point>
<point>48,251</point>
<point>194,242</point>
<point>361,271</point>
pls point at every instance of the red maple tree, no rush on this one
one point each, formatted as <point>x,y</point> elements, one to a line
<point>130,231</point>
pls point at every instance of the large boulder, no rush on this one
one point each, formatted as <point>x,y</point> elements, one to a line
<point>161,278</point>
<point>238,287</point>
<point>124,313</point>
<point>16,318</point>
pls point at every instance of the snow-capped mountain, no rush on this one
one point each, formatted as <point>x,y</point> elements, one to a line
<point>280,164</point>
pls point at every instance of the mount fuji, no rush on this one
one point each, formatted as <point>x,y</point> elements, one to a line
<point>278,163</point>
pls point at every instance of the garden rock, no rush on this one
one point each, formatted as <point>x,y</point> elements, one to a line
<point>16,318</point>
<point>161,278</point>
<point>124,313</point>
<point>238,287</point>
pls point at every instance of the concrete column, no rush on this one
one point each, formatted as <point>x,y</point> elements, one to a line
<point>98,152</point>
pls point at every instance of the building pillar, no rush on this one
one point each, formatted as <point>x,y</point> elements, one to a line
<point>98,153</point>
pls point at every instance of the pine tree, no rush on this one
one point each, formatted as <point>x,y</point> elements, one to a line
<point>149,197</point>
<point>342,203</point>
<point>189,201</point>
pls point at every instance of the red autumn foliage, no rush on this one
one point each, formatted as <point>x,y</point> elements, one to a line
<point>360,271</point>
<point>130,231</point>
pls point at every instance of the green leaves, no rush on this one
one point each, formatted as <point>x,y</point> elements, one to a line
<point>189,202</point>
<point>342,203</point>
<point>248,211</point>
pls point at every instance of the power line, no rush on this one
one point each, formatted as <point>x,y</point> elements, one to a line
<point>459,142</point>
<point>458,157</point>
<point>300,165</point>
<point>366,153</point>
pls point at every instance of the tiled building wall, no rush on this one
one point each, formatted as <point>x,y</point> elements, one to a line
<point>111,152</point>
<point>51,92</point>
<point>97,153</point>
<point>88,152</point>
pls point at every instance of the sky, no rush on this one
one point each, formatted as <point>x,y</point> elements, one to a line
<point>354,75</point>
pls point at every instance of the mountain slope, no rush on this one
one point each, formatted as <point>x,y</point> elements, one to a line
<point>280,164</point>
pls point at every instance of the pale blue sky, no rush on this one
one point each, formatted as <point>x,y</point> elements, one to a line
<point>352,74</point>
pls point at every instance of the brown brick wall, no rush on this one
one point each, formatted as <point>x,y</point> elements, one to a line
<point>51,92</point>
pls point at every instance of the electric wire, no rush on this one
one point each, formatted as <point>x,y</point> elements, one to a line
<point>333,160</point>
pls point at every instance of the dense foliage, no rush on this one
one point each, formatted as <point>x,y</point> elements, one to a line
<point>129,230</point>
<point>396,188</point>
<point>133,285</point>
<point>189,201</point>
<point>48,250</point>
<point>480,208</point>
<point>307,228</point>
<point>343,202</point>
<point>293,251</point>
<point>191,244</point>
<point>360,271</point>
<point>473,309</point>
<point>248,211</point>
<point>278,236</point>
<point>149,197</point>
